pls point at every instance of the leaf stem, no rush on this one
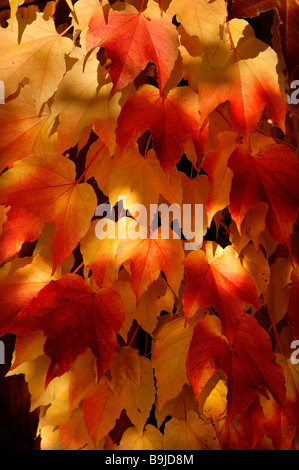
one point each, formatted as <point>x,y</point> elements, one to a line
<point>141,6</point>
<point>230,37</point>
<point>89,164</point>
<point>275,331</point>
<point>66,30</point>
<point>147,145</point>
<point>135,332</point>
<point>78,267</point>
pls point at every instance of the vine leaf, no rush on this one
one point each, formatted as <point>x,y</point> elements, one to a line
<point>73,318</point>
<point>132,39</point>
<point>42,189</point>
<point>245,356</point>
<point>269,176</point>
<point>245,72</point>
<point>288,12</point>
<point>171,119</point>
<point>217,279</point>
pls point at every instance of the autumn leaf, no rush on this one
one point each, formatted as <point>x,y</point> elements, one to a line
<point>243,72</point>
<point>82,378</point>
<point>42,189</point>
<point>91,319</point>
<point>278,293</point>
<point>288,12</point>
<point>40,57</point>
<point>204,19</point>
<point>170,348</point>
<point>157,298</point>
<point>99,254</point>
<point>132,39</point>
<point>24,132</point>
<point>149,439</point>
<point>245,356</point>
<point>217,279</point>
<point>81,101</point>
<point>277,424</point>
<point>257,266</point>
<point>268,176</point>
<point>177,111</point>
<point>194,433</point>
<point>21,280</point>
<point>141,181</point>
<point>219,175</point>
<point>148,257</point>
<point>195,191</point>
<point>131,378</point>
<point>73,433</point>
<point>101,410</point>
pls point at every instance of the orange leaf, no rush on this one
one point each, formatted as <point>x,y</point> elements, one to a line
<point>219,281</point>
<point>171,119</point>
<point>148,257</point>
<point>73,318</point>
<point>42,189</point>
<point>245,356</point>
<point>271,175</point>
<point>132,39</point>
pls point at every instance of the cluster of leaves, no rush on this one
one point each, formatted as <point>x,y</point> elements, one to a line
<point>137,343</point>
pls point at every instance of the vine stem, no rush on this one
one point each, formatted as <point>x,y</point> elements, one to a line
<point>141,6</point>
<point>275,331</point>
<point>133,337</point>
<point>90,163</point>
<point>230,37</point>
<point>78,267</point>
<point>147,145</point>
<point>66,30</point>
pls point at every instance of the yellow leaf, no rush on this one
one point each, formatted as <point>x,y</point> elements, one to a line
<point>101,410</point>
<point>50,438</point>
<point>169,354</point>
<point>141,180</point>
<point>204,19</point>
<point>195,433</point>
<point>158,297</point>
<point>219,175</point>
<point>195,191</point>
<point>132,381</point>
<point>73,434</point>
<point>83,377</point>
<point>277,296</point>
<point>149,439</point>
<point>178,406</point>
<point>83,99</point>
<point>14,5</point>
<point>39,58</point>
<point>257,266</point>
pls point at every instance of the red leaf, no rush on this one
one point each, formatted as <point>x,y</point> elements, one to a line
<point>132,39</point>
<point>246,358</point>
<point>289,15</point>
<point>41,189</point>
<point>271,176</point>
<point>171,119</point>
<point>73,318</point>
<point>220,282</point>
